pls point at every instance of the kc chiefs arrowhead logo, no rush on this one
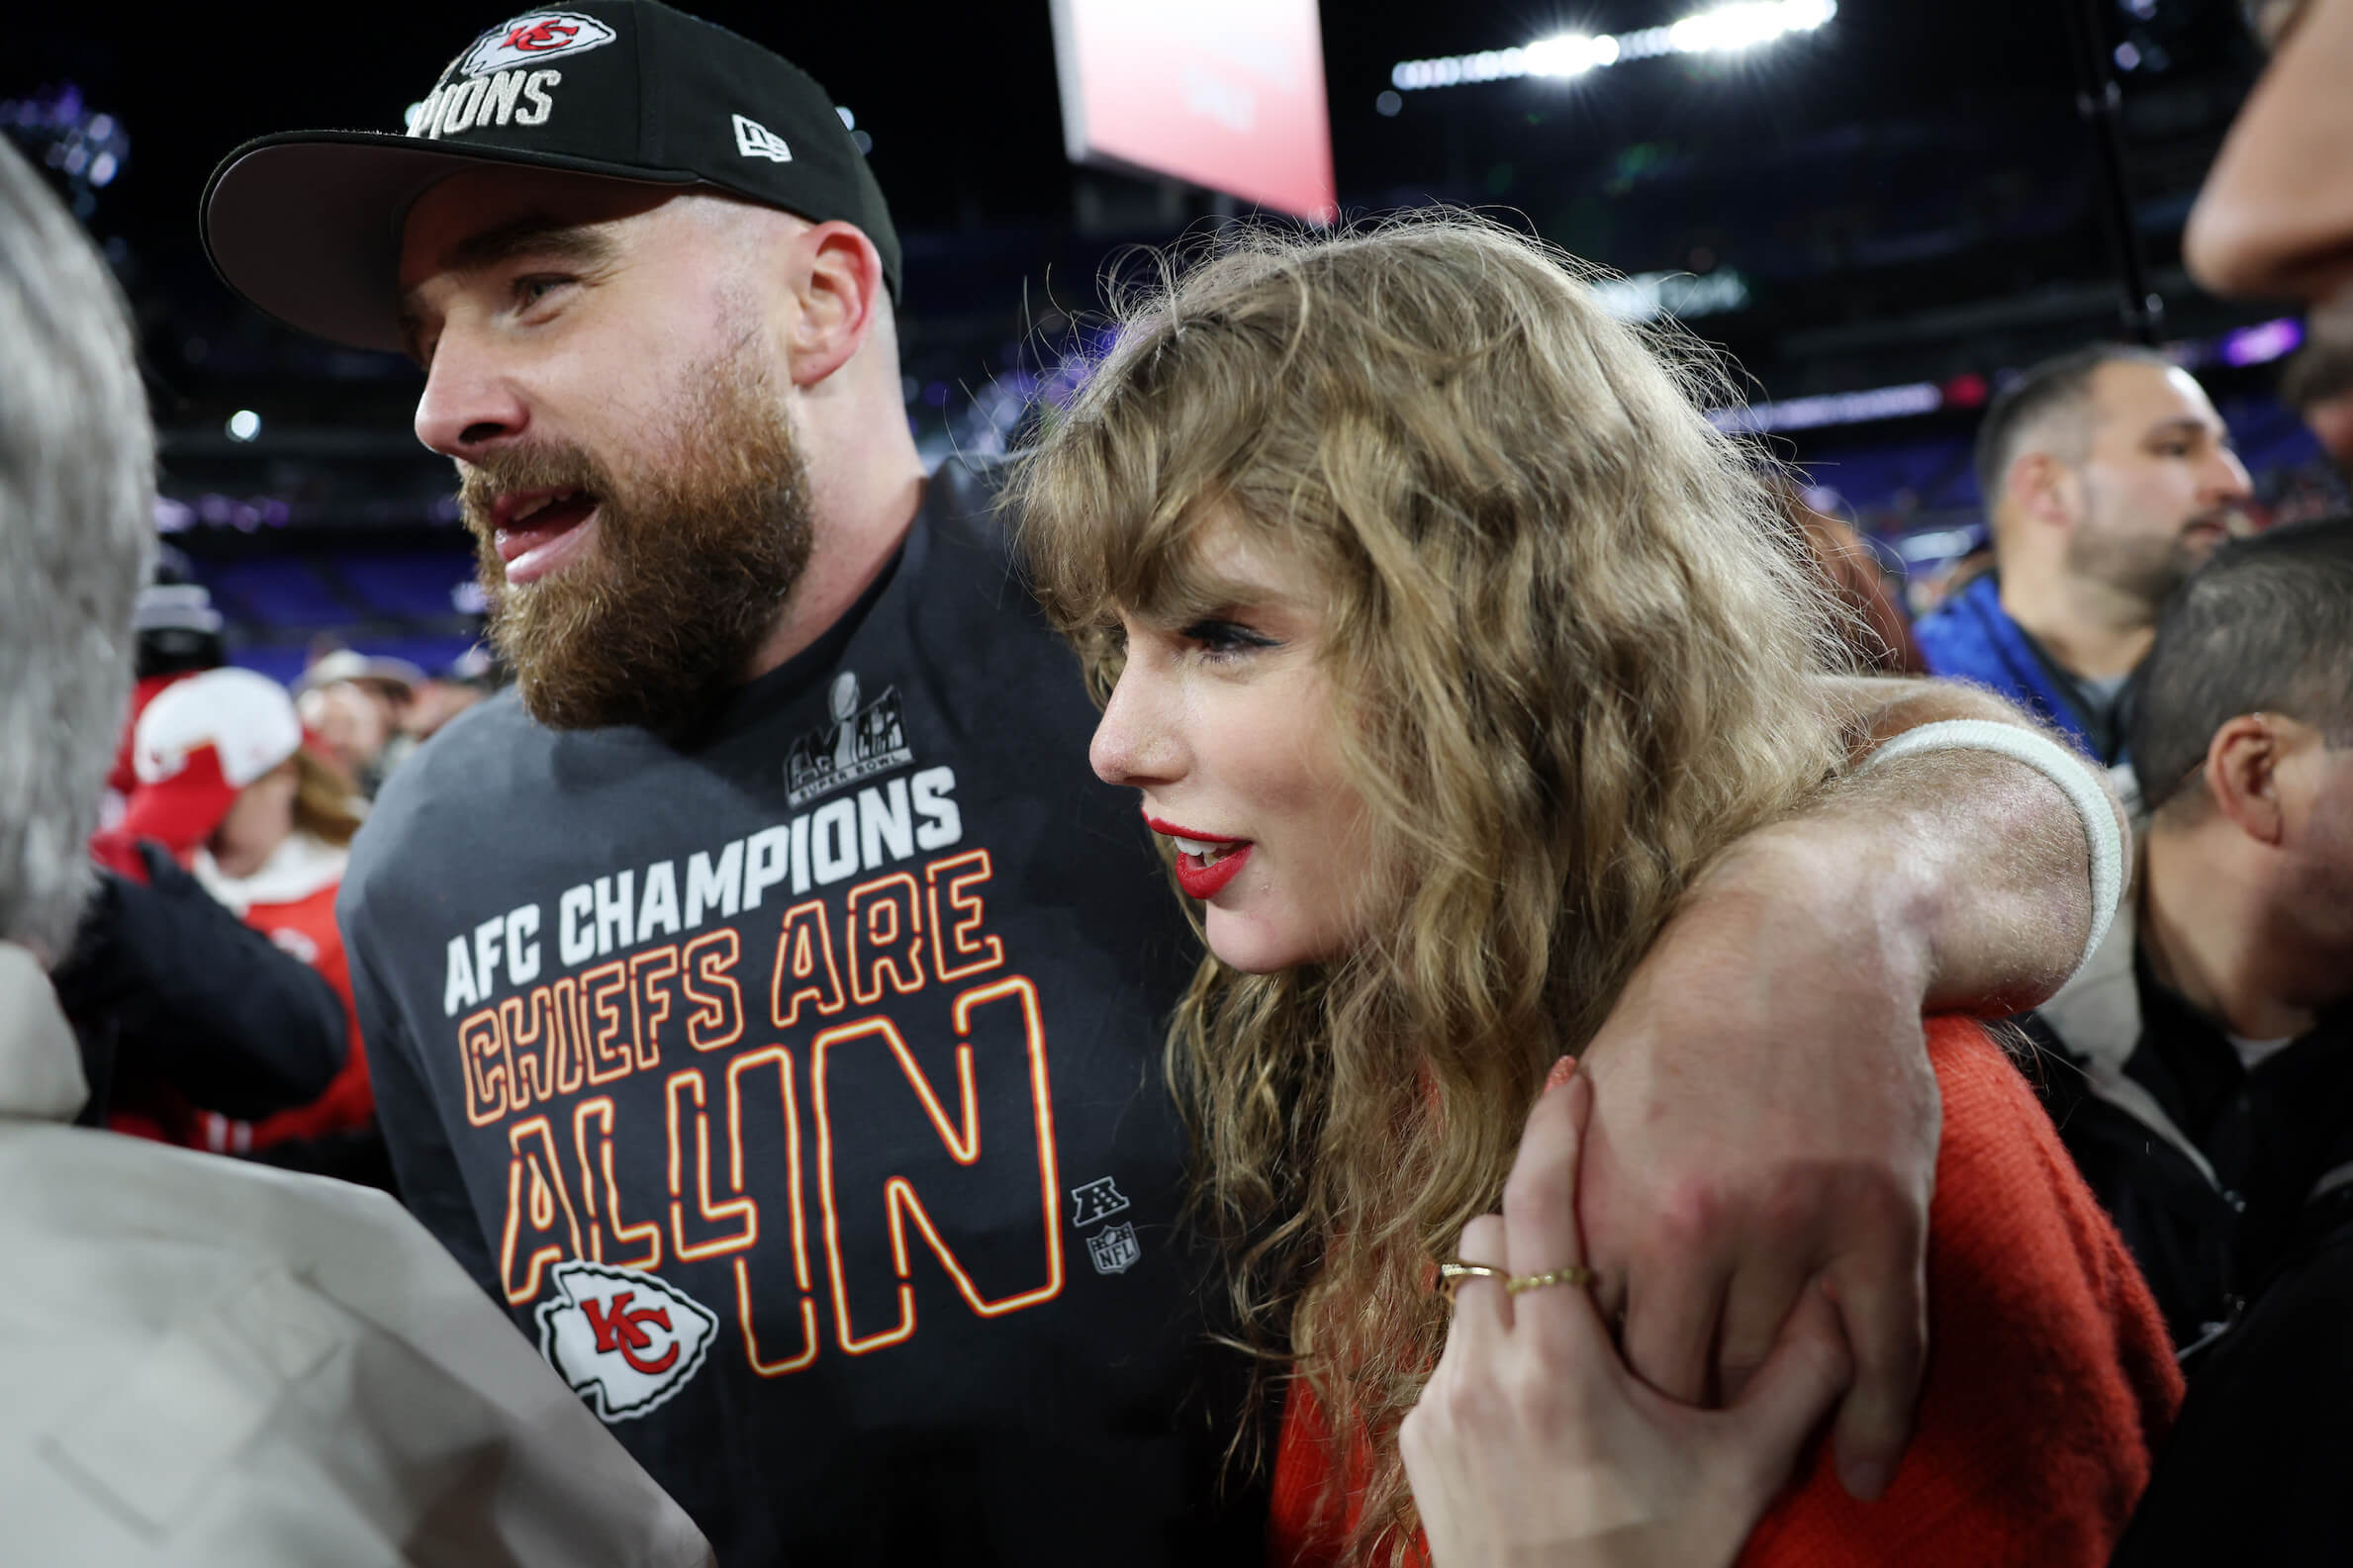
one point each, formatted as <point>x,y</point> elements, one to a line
<point>527,39</point>
<point>622,1338</point>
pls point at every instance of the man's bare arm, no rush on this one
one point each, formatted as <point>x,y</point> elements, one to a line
<point>1998,852</point>
<point>1765,1114</point>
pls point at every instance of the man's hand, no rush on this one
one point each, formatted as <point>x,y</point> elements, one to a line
<point>1765,1115</point>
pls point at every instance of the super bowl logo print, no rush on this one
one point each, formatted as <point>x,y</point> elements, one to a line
<point>862,741</point>
<point>623,1339</point>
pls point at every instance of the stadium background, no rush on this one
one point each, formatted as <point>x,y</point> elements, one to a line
<point>1878,219</point>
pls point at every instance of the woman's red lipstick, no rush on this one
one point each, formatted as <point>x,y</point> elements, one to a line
<point>1203,875</point>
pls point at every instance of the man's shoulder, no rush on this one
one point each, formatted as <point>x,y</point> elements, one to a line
<point>495,734</point>
<point>973,587</point>
<point>473,764</point>
<point>964,506</point>
<point>967,491</point>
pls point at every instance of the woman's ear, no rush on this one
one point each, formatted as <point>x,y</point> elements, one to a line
<point>838,290</point>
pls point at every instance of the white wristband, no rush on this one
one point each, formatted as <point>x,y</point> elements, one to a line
<point>2072,774</point>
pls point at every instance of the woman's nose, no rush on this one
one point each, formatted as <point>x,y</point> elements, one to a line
<point>1135,744</point>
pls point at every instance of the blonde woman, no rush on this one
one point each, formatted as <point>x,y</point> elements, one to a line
<point>1447,645</point>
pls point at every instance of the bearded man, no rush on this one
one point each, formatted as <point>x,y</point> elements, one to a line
<point>2109,477</point>
<point>777,1033</point>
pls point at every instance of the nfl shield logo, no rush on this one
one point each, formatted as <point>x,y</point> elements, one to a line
<point>1114,1248</point>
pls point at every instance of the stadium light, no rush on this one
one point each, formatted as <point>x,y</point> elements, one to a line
<point>244,426</point>
<point>1723,30</point>
<point>1569,54</point>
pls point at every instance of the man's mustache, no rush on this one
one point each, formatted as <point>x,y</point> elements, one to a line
<point>480,484</point>
<point>2235,518</point>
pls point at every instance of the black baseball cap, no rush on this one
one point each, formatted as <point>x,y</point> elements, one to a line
<point>307,224</point>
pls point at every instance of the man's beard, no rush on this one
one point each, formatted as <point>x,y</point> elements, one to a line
<point>657,620</point>
<point>2143,566</point>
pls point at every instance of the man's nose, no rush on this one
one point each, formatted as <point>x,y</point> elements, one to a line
<point>2226,477</point>
<point>469,406</point>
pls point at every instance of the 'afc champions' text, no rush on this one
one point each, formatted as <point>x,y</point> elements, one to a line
<point>647,992</point>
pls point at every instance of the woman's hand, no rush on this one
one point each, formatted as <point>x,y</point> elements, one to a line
<point>1534,1444</point>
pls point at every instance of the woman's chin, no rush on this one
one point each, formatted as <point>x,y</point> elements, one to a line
<point>1255,945</point>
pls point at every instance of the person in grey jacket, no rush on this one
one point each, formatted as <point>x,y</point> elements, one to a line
<point>208,1362</point>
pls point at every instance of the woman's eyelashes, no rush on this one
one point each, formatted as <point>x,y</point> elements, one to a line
<point>1225,638</point>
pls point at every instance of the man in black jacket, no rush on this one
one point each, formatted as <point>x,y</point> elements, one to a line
<point>2209,1034</point>
<point>167,986</point>
<point>2210,1100</point>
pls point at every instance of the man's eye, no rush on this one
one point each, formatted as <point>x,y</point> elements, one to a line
<point>531,290</point>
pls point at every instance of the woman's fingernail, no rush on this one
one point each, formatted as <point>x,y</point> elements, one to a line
<point>1865,1480</point>
<point>1562,1071</point>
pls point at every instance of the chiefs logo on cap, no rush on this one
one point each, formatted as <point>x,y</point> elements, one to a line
<point>622,1338</point>
<point>539,35</point>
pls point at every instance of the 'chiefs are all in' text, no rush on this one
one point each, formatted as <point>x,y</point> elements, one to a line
<point>653,982</point>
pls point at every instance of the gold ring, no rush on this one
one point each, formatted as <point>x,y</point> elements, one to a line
<point>1573,1274</point>
<point>1451,1273</point>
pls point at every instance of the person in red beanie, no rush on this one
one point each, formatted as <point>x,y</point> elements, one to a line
<point>227,785</point>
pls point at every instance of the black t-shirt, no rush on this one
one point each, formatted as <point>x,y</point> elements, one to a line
<point>799,1090</point>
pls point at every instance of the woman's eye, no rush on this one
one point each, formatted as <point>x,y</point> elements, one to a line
<point>1223,637</point>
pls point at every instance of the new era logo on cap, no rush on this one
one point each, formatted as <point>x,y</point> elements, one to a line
<point>755,140</point>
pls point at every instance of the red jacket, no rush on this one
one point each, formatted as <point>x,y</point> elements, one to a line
<point>291,900</point>
<point>2050,1378</point>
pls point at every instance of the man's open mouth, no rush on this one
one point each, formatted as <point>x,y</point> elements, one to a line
<point>534,531</point>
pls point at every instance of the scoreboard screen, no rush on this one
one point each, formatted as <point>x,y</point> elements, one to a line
<point>1224,93</point>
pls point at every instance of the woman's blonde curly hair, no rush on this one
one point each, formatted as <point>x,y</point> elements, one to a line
<point>1569,642</point>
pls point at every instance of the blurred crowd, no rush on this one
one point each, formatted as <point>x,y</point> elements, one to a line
<point>233,802</point>
<point>2198,1066</point>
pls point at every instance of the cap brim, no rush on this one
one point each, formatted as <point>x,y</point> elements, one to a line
<point>307,224</point>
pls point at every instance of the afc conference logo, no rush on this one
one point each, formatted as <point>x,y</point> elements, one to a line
<point>622,1338</point>
<point>860,743</point>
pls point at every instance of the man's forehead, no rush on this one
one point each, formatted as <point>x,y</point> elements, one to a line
<point>476,203</point>
<point>2132,395</point>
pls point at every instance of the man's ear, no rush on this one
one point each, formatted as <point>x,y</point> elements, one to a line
<point>840,292</point>
<point>2242,776</point>
<point>2044,490</point>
